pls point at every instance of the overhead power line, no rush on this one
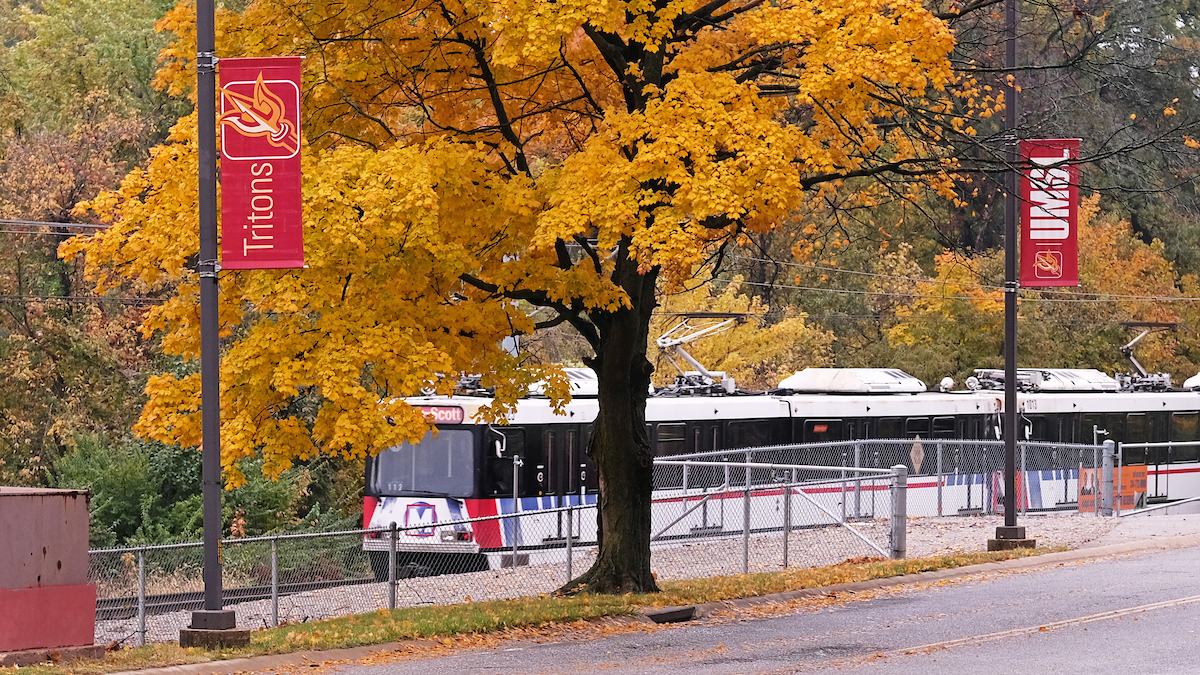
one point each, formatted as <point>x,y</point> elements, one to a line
<point>1098,297</point>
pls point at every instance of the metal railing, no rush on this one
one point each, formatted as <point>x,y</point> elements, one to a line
<point>1151,464</point>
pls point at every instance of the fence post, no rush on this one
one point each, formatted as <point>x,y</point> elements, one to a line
<point>939,478</point>
<point>1023,484</point>
<point>787,515</point>
<point>1120,467</point>
<point>746,524</point>
<point>571,530</point>
<point>141,597</point>
<point>274,581</point>
<point>517,464</point>
<point>392,565</point>
<point>899,510</point>
<point>685,487</point>
<point>844,458</point>
<point>857,481</point>
<point>1106,479</point>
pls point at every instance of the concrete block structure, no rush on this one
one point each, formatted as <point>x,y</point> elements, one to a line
<point>46,602</point>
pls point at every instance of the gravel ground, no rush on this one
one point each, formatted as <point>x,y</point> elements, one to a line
<point>806,548</point>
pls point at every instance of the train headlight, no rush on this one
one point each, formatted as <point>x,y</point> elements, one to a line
<point>455,535</point>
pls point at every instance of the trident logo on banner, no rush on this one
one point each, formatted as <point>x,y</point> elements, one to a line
<point>262,114</point>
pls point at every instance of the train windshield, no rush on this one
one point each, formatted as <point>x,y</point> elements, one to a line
<point>442,465</point>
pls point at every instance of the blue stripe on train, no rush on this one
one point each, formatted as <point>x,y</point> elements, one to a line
<point>1033,491</point>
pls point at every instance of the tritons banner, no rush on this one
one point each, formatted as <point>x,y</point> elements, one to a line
<point>260,163</point>
<point>1050,213</point>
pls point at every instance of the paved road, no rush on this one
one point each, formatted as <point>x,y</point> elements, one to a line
<point>1116,615</point>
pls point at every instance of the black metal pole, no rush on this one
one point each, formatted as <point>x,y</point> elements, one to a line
<point>1011,281</point>
<point>212,617</point>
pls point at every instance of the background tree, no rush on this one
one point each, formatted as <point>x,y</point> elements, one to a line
<point>954,324</point>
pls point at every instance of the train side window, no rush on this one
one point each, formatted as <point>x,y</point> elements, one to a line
<point>889,427</point>
<point>943,427</point>
<point>1038,427</point>
<point>1135,428</point>
<point>1185,427</point>
<point>1135,432</point>
<point>916,426</point>
<point>749,434</point>
<point>1088,428</point>
<point>672,439</point>
<point>819,431</point>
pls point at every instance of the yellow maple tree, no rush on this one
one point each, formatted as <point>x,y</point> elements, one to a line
<point>578,155</point>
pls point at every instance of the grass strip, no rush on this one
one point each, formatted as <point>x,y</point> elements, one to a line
<point>440,622</point>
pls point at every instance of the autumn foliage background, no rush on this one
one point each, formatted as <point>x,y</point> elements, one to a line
<point>754,160</point>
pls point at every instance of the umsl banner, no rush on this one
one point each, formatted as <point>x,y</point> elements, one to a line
<point>260,163</point>
<point>1049,213</point>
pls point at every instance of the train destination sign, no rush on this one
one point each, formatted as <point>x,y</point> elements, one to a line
<point>261,224</point>
<point>1050,213</point>
<point>444,414</point>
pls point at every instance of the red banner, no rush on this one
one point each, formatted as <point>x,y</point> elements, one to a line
<point>1050,213</point>
<point>260,163</point>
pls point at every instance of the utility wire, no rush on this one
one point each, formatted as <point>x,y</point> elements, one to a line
<point>1101,297</point>
<point>80,299</point>
<point>42,223</point>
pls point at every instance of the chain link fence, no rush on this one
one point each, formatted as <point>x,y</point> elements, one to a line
<point>728,519</point>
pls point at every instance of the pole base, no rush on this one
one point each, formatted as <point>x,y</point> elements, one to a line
<point>1009,544</point>
<point>214,629</point>
<point>214,639</point>
<point>213,619</point>
<point>1010,532</point>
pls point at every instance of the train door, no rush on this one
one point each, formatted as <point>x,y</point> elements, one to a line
<point>706,436</point>
<point>564,466</point>
<point>589,478</point>
<point>503,444</point>
<point>1149,428</point>
<point>564,471</point>
<point>1184,427</point>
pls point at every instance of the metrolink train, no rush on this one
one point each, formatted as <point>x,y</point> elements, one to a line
<point>467,470</point>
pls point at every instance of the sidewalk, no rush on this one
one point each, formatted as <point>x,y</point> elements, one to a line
<point>1147,528</point>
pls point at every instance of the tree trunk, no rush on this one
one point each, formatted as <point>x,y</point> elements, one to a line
<point>619,446</point>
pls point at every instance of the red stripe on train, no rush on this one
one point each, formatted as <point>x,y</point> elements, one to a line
<point>487,532</point>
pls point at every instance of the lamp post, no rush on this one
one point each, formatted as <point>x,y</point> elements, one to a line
<point>211,626</point>
<point>1010,535</point>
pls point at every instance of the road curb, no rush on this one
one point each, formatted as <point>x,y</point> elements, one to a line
<point>257,663</point>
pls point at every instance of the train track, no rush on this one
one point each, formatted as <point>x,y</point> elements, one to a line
<point>108,609</point>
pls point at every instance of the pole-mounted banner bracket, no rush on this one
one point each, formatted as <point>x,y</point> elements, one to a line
<point>206,62</point>
<point>1011,286</point>
<point>208,269</point>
